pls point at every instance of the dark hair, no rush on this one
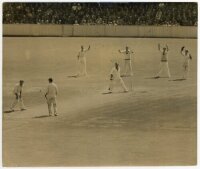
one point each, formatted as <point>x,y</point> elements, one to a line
<point>21,81</point>
<point>50,80</point>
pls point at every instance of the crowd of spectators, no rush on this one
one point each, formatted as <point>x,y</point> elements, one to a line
<point>101,13</point>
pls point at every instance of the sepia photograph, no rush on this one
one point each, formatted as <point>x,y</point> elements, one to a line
<point>95,84</point>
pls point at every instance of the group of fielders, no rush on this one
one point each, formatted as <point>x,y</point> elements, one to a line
<point>51,91</point>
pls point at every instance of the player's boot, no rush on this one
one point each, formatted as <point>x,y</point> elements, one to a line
<point>125,91</point>
<point>157,77</point>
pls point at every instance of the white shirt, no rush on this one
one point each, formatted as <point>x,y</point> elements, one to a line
<point>164,57</point>
<point>186,58</point>
<point>18,89</point>
<point>81,54</point>
<point>115,73</point>
<point>127,54</point>
<point>52,90</point>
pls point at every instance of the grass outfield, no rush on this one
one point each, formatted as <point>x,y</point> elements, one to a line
<point>155,124</point>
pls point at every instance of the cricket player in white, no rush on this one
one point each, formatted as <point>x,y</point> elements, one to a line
<point>18,90</point>
<point>116,78</point>
<point>163,62</point>
<point>82,69</point>
<point>127,61</point>
<point>51,94</point>
<point>187,57</point>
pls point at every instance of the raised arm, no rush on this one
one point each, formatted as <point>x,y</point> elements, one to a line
<point>167,47</point>
<point>182,49</point>
<point>159,47</point>
<point>111,76</point>
<point>122,51</point>
<point>190,57</point>
<point>87,49</point>
<point>78,56</point>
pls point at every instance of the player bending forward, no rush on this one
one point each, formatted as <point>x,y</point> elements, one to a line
<point>163,62</point>
<point>51,94</point>
<point>187,57</point>
<point>116,78</point>
<point>18,96</point>
<point>82,62</point>
<point>127,61</point>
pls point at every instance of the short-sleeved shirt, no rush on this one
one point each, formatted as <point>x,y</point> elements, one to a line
<point>186,59</point>
<point>115,73</point>
<point>127,54</point>
<point>81,54</point>
<point>164,56</point>
<point>18,89</point>
<point>52,90</point>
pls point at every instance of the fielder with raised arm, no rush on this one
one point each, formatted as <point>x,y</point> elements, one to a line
<point>164,68</point>
<point>187,57</point>
<point>116,78</point>
<point>51,94</point>
<point>127,61</point>
<point>18,96</point>
<point>82,69</point>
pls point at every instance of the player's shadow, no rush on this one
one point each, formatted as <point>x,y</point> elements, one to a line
<point>180,79</point>
<point>72,76</point>
<point>8,111</point>
<point>104,93</point>
<point>156,77</point>
<point>126,76</point>
<point>43,116</point>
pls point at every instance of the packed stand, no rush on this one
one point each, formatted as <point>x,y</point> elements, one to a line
<point>101,13</point>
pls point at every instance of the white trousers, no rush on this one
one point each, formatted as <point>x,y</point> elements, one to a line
<point>82,67</point>
<point>163,69</point>
<point>50,102</point>
<point>16,101</point>
<point>114,81</point>
<point>185,70</point>
<point>128,70</point>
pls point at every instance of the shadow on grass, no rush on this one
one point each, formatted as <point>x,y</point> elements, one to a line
<point>156,77</point>
<point>114,92</point>
<point>72,76</point>
<point>43,116</point>
<point>9,111</point>
<point>180,79</point>
<point>126,76</point>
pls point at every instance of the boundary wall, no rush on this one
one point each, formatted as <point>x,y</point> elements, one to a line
<point>99,31</point>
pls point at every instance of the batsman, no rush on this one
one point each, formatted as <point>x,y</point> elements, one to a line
<point>51,94</point>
